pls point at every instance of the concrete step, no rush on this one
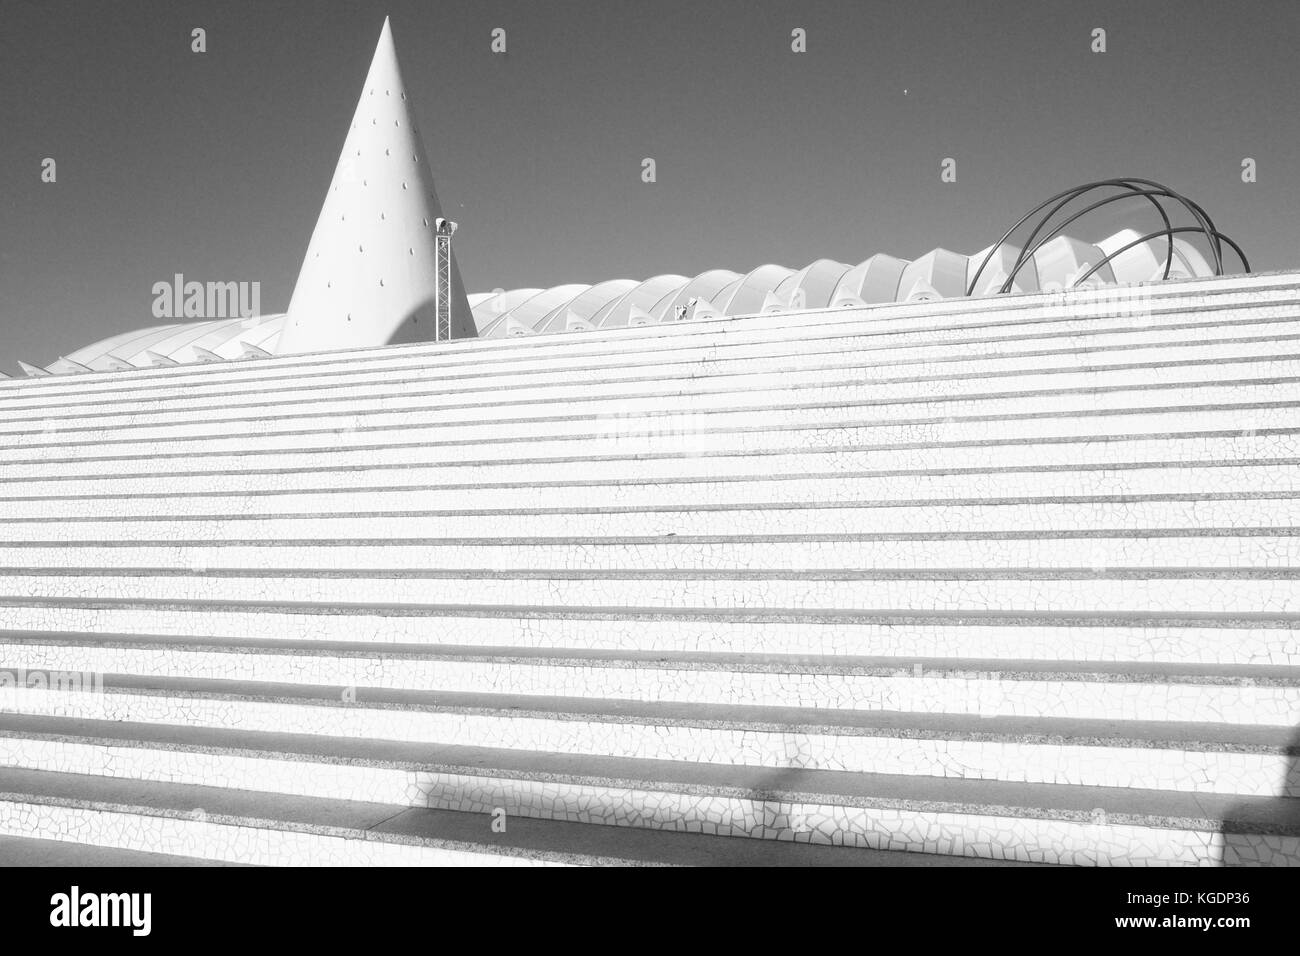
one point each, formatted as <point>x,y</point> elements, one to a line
<point>288,830</point>
<point>1010,368</point>
<point>614,418</point>
<point>914,360</point>
<point>392,728</point>
<point>409,485</point>
<point>557,352</point>
<point>29,852</point>
<point>427,403</point>
<point>1083,690</point>
<point>1196,548</point>
<point>1028,822</point>
<point>430,467</point>
<point>319,515</point>
<point>1062,590</point>
<point>1213,638</point>
<point>1006,578</point>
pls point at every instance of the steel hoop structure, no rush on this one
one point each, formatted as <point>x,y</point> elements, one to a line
<point>1132,188</point>
<point>1218,236</point>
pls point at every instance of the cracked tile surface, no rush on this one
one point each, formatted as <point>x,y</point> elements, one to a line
<point>898,526</point>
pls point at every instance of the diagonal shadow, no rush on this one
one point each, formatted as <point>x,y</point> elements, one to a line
<point>1265,831</point>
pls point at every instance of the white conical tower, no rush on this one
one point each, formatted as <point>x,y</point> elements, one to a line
<point>370,274</point>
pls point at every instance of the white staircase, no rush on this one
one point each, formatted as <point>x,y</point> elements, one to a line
<point>990,579</point>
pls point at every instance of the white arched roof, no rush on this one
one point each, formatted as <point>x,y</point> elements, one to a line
<point>530,313</point>
<point>176,342</point>
<point>586,304</point>
<point>1063,260</point>
<point>874,280</point>
<point>493,305</point>
<point>643,297</point>
<point>705,286</point>
<point>749,294</point>
<point>817,281</point>
<point>996,270</point>
<point>92,356</point>
<point>940,270</point>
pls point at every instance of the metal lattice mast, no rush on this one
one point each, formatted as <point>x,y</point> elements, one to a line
<point>445,229</point>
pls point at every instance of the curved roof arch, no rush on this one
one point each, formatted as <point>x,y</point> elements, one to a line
<point>161,339</point>
<point>177,341</point>
<point>228,341</point>
<point>724,295</point>
<point>705,286</point>
<point>615,314</point>
<point>872,280</point>
<point>817,281</point>
<point>586,304</point>
<point>940,269</point>
<point>265,334</point>
<point>530,313</point>
<point>180,345</point>
<point>748,296</point>
<point>1137,263</point>
<point>1197,264</point>
<point>89,355</point>
<point>997,269</point>
<point>1062,260</point>
<point>494,305</point>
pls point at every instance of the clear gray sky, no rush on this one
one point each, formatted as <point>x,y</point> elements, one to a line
<point>215,165</point>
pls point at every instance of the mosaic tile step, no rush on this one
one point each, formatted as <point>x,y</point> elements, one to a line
<point>291,830</point>
<point>29,852</point>
<point>1083,690</point>
<point>1207,758</point>
<point>1213,638</point>
<point>1129,311</point>
<point>1006,347</point>
<point>284,833</point>
<point>1229,548</point>
<point>612,585</point>
<point>1062,590</point>
<point>1010,519</point>
<point>1268,406</point>
<point>43,423</point>
<point>504,708</point>
<point>290,515</point>
<point>1228,448</point>
<point>414,486</point>
<point>824,404</point>
<point>1211,357</point>
<point>834,382</point>
<point>1021,821</point>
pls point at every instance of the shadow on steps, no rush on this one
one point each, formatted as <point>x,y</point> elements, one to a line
<point>1266,832</point>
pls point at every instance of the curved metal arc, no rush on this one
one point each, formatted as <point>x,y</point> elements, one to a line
<point>1128,184</point>
<point>1199,214</point>
<point>1205,226</point>
<point>1218,237</point>
<point>1028,253</point>
<point>1007,235</point>
<point>1067,195</point>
